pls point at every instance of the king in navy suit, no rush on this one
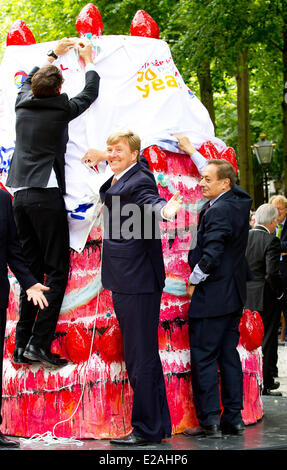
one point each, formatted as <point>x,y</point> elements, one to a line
<point>133,269</point>
<point>217,287</point>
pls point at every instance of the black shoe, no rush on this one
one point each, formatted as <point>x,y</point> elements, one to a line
<point>4,442</point>
<point>131,440</point>
<point>211,430</point>
<point>18,357</point>
<point>47,358</point>
<point>266,391</point>
<point>273,386</point>
<point>234,429</point>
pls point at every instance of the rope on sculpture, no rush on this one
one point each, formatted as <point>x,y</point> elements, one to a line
<point>49,438</point>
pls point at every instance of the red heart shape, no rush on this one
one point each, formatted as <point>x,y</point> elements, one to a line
<point>144,25</point>
<point>89,20</point>
<point>251,330</point>
<point>229,154</point>
<point>77,344</point>
<point>20,35</point>
<point>111,344</point>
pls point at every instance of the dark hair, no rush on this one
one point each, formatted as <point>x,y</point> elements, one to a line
<point>224,170</point>
<point>46,81</point>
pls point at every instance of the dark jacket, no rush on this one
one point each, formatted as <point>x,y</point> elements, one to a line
<point>263,256</point>
<point>10,252</point>
<point>220,252</point>
<point>42,133</point>
<point>132,265</point>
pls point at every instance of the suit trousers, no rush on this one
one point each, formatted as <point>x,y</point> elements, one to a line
<point>271,321</point>
<point>138,317</point>
<point>3,315</point>
<point>43,231</point>
<point>213,343</point>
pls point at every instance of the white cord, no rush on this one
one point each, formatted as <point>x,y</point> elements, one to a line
<point>49,438</point>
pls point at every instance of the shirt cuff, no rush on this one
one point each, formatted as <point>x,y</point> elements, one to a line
<point>45,62</point>
<point>162,216</point>
<point>197,275</point>
<point>89,67</point>
<point>199,161</point>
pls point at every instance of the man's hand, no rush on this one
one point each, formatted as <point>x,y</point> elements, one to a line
<point>92,157</point>
<point>189,289</point>
<point>173,206</point>
<point>85,51</point>
<point>35,293</point>
<point>64,45</point>
<point>184,144</point>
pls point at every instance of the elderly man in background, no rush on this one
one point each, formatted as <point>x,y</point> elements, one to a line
<point>265,291</point>
<point>280,202</point>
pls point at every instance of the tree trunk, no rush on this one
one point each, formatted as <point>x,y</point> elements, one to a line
<point>205,85</point>
<point>244,145</point>
<point>284,107</point>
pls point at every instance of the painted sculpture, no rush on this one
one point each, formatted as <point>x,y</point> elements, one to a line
<point>91,397</point>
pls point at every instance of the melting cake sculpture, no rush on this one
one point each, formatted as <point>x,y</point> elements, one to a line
<point>140,89</point>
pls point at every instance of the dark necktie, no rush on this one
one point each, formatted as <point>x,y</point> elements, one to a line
<point>207,207</point>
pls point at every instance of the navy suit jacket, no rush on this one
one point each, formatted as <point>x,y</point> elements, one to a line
<point>132,265</point>
<point>10,252</point>
<point>220,252</point>
<point>283,261</point>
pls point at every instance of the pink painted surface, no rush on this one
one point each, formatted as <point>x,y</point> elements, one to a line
<point>91,396</point>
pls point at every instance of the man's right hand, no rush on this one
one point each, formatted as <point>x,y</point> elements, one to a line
<point>92,157</point>
<point>185,144</point>
<point>64,45</point>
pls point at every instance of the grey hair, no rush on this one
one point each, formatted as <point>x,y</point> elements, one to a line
<point>265,214</point>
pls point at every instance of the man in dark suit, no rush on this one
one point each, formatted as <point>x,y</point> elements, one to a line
<point>280,203</point>
<point>11,255</point>
<point>133,269</point>
<point>37,176</point>
<point>217,287</point>
<point>265,290</point>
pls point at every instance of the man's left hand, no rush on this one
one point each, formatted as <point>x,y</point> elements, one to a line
<point>35,293</point>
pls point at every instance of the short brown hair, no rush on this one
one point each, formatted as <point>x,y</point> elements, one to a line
<point>224,170</point>
<point>133,140</point>
<point>46,81</point>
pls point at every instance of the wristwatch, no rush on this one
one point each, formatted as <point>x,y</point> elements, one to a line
<point>51,53</point>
